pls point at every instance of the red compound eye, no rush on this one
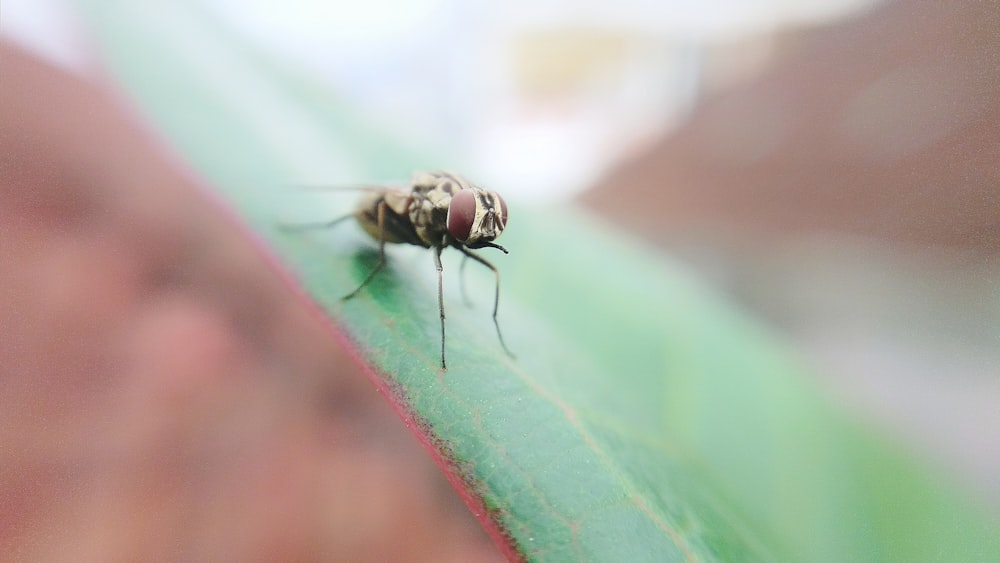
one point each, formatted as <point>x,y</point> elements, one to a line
<point>461,214</point>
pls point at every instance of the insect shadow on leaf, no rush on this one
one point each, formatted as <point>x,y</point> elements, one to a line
<point>436,210</point>
<point>364,261</point>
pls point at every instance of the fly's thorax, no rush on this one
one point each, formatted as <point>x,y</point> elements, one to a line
<point>429,215</point>
<point>430,198</point>
<point>444,182</point>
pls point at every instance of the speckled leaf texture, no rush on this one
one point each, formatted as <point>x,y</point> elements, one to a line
<point>645,418</point>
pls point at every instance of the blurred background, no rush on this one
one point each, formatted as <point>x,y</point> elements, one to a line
<point>539,97</point>
<point>831,164</point>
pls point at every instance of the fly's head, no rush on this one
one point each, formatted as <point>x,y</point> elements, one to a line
<point>476,217</point>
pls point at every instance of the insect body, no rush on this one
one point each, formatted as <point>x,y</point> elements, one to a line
<point>436,211</point>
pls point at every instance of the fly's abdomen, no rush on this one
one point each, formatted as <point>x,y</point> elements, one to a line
<point>395,228</point>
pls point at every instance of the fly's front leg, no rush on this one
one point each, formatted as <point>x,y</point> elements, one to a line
<point>440,269</point>
<point>496,295</point>
<point>381,253</point>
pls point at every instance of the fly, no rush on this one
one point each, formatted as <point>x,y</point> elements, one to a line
<point>436,210</point>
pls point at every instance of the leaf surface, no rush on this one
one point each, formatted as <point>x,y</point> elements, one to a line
<point>644,419</point>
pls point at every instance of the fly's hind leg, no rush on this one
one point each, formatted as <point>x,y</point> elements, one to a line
<point>293,227</point>
<point>496,295</point>
<point>381,253</point>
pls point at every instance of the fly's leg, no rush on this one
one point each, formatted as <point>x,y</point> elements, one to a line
<point>381,253</point>
<point>440,269</point>
<point>292,227</point>
<point>496,296</point>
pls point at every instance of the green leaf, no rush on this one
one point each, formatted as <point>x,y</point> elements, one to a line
<point>644,419</point>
